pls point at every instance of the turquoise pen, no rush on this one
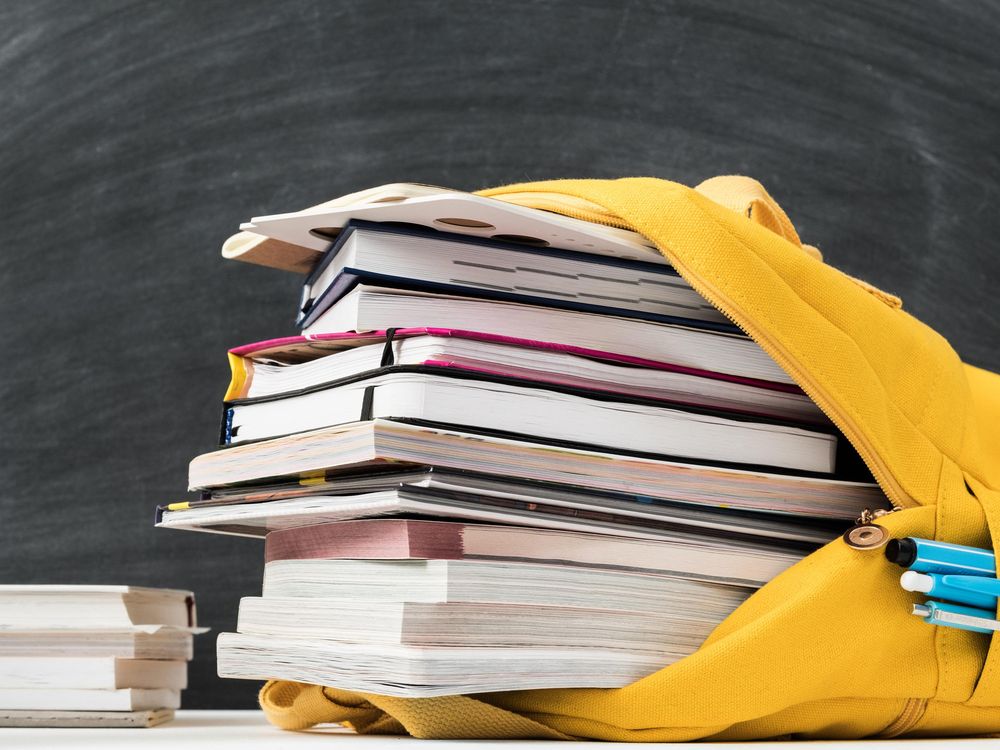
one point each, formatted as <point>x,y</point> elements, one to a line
<point>955,616</point>
<point>971,591</point>
<point>932,556</point>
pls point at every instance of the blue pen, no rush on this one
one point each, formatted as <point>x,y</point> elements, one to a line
<point>953,588</point>
<point>930,556</point>
<point>954,616</point>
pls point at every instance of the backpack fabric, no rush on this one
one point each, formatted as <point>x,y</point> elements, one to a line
<point>829,648</point>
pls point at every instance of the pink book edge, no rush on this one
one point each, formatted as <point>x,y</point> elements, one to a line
<point>372,336</point>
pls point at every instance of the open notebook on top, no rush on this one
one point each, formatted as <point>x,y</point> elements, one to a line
<point>296,241</point>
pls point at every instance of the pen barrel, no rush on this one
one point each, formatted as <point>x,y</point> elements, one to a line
<point>942,590</point>
<point>943,558</point>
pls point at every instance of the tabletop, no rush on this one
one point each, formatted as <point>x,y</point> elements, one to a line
<point>249,730</point>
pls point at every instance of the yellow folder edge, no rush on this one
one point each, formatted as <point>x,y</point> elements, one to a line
<point>238,381</point>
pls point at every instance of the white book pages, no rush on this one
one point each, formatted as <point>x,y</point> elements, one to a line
<point>160,643</point>
<point>45,607</point>
<point>560,368</point>
<point>126,699</point>
<point>357,445</point>
<point>508,583</point>
<point>681,628</point>
<point>92,673</point>
<point>549,415</point>
<point>524,271</point>
<point>419,672</point>
<point>369,308</point>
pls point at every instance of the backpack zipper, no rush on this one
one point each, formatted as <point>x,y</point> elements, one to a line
<point>913,711</point>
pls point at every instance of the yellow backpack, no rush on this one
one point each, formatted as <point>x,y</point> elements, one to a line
<point>829,648</point>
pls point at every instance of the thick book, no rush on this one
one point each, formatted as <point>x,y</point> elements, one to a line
<point>374,308</point>
<point>91,673</point>
<point>86,719</point>
<point>443,263</point>
<point>792,537</point>
<point>124,699</point>
<point>414,539</point>
<point>93,607</point>
<point>499,582</point>
<point>422,672</point>
<point>297,364</point>
<point>674,632</point>
<point>139,642</point>
<point>536,413</point>
<point>345,449</point>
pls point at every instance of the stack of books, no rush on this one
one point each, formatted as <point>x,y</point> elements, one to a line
<point>93,656</point>
<point>507,450</point>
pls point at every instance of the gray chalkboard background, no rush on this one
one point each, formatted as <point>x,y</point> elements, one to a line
<point>135,136</point>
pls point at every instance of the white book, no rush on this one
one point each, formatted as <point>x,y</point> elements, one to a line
<point>418,672</point>
<point>90,673</point>
<point>675,631</point>
<point>335,451</point>
<point>497,582</point>
<point>740,558</point>
<point>138,642</point>
<point>267,377</point>
<point>547,415</point>
<point>539,275</point>
<point>93,607</point>
<point>368,308</point>
<point>124,699</point>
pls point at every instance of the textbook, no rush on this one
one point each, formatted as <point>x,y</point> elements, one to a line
<point>376,308</point>
<point>92,607</point>
<point>94,673</point>
<point>494,582</point>
<point>434,261</point>
<point>381,443</point>
<point>481,403</point>
<point>124,699</point>
<point>427,671</point>
<point>674,632</point>
<point>414,539</point>
<point>298,364</point>
<point>140,642</point>
<point>482,498</point>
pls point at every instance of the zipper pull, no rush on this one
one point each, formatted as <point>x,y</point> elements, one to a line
<point>866,534</point>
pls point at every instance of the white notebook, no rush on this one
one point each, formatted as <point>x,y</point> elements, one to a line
<point>417,672</point>
<point>538,412</point>
<point>369,308</point>
<point>91,673</point>
<point>126,699</point>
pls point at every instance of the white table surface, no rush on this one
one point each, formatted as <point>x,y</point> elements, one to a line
<point>249,730</point>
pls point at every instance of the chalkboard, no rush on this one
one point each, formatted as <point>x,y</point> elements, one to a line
<point>135,136</point>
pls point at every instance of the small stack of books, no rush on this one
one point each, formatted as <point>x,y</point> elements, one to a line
<point>93,656</point>
<point>508,450</point>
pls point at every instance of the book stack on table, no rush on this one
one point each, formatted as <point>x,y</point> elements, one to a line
<point>96,656</point>
<point>496,463</point>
